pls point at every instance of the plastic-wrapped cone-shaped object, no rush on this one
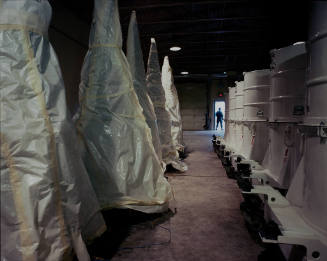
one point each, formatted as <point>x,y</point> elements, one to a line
<point>135,59</point>
<point>157,95</point>
<point>172,105</point>
<point>46,196</point>
<point>120,158</point>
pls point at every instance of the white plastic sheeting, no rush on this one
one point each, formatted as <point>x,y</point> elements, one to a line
<point>135,60</point>
<point>172,105</point>
<point>157,95</point>
<point>124,169</point>
<point>46,195</point>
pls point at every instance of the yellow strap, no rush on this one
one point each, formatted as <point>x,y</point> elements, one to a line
<point>104,45</point>
<point>36,86</point>
<point>19,27</point>
<point>16,185</point>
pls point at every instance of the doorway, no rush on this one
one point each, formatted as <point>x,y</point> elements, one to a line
<point>221,105</point>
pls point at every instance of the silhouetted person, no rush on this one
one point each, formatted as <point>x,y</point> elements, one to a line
<point>220,117</point>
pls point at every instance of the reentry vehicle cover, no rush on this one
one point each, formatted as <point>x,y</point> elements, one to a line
<point>135,59</point>
<point>157,95</point>
<point>120,158</point>
<point>46,196</point>
<point>172,105</point>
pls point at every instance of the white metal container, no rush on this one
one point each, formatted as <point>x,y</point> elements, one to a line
<point>315,157</point>
<point>232,103</point>
<point>317,66</point>
<point>231,126</point>
<point>239,96</point>
<point>226,117</point>
<point>256,95</point>
<point>256,109</point>
<point>282,155</point>
<point>286,108</point>
<point>287,102</point>
<point>239,110</point>
<point>255,140</point>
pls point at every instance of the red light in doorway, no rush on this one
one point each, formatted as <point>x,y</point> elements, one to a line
<point>220,94</point>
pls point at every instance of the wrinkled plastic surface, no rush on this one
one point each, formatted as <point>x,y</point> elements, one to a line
<point>172,105</point>
<point>135,60</point>
<point>120,158</point>
<point>157,95</point>
<point>46,195</point>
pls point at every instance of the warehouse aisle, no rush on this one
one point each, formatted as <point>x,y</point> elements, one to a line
<point>207,225</point>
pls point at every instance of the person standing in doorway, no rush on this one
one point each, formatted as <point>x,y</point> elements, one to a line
<point>220,117</point>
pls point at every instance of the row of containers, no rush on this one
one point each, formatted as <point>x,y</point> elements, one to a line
<point>275,144</point>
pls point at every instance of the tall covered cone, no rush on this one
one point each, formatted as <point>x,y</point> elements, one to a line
<point>135,59</point>
<point>157,95</point>
<point>172,105</point>
<point>47,201</point>
<point>120,158</point>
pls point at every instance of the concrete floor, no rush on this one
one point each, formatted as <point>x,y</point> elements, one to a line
<point>208,224</point>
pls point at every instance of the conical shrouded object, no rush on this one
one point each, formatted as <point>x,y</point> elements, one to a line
<point>47,201</point>
<point>135,59</point>
<point>157,95</point>
<point>120,158</point>
<point>172,105</point>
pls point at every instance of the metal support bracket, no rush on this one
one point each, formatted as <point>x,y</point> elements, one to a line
<point>272,195</point>
<point>295,231</point>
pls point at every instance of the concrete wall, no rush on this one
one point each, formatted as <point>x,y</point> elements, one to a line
<point>196,99</point>
<point>216,86</point>
<point>193,103</point>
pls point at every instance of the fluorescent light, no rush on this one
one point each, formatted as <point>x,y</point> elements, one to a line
<point>175,48</point>
<point>184,73</point>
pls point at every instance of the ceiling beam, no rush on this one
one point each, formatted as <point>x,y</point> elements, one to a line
<point>202,32</point>
<point>176,3</point>
<point>200,20</point>
<point>213,51</point>
<point>162,43</point>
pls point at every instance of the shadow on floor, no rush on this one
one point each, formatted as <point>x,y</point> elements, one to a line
<point>121,224</point>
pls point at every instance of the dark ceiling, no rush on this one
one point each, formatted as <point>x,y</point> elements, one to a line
<point>215,36</point>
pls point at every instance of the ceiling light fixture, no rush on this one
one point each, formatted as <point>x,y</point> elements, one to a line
<point>175,48</point>
<point>184,73</point>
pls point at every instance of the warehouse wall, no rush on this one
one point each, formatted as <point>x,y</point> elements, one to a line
<point>193,102</point>
<point>216,86</point>
<point>196,99</point>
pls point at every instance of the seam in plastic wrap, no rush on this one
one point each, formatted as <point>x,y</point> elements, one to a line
<point>38,91</point>
<point>136,66</point>
<point>20,27</point>
<point>105,45</point>
<point>17,194</point>
<point>9,17</point>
